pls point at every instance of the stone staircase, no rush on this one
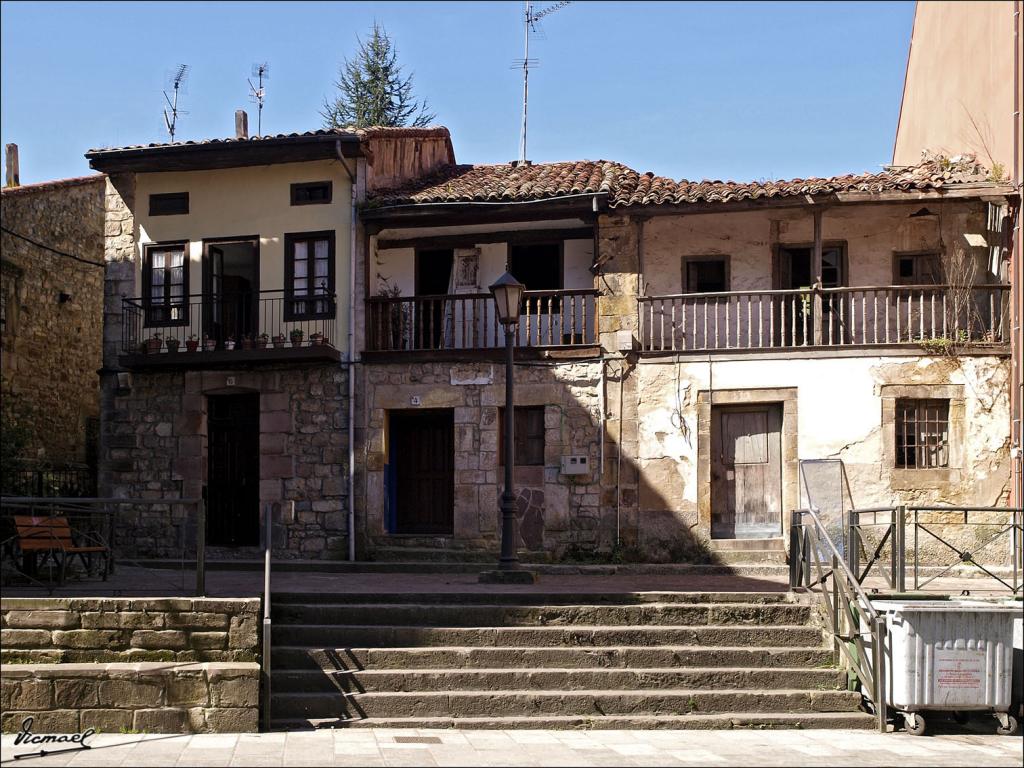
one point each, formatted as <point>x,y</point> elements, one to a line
<point>528,660</point>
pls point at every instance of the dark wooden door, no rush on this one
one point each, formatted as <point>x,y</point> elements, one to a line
<point>422,452</point>
<point>746,472</point>
<point>232,512</point>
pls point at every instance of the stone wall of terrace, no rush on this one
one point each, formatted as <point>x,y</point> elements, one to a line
<point>53,629</point>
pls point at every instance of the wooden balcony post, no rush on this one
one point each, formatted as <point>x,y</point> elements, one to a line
<point>816,272</point>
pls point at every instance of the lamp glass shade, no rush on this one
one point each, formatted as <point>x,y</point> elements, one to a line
<point>508,296</point>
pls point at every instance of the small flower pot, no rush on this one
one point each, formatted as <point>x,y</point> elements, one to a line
<point>229,345</point>
<point>261,343</point>
<point>248,344</point>
<point>191,345</point>
<point>172,345</point>
<point>279,342</point>
<point>210,344</point>
<point>153,345</point>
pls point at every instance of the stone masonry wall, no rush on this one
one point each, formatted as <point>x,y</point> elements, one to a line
<point>556,512</point>
<point>49,348</point>
<point>147,697</point>
<point>71,630</point>
<point>155,446</point>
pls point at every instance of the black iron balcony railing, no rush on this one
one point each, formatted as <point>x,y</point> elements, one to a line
<point>468,321</point>
<point>826,317</point>
<point>264,320</point>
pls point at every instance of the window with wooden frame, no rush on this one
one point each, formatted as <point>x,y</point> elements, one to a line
<point>528,436</point>
<point>165,284</point>
<point>922,434</point>
<point>312,193</point>
<point>309,276</point>
<point>919,268</point>
<point>705,274</point>
<point>168,204</point>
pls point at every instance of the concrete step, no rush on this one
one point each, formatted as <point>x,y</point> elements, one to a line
<point>777,544</point>
<point>518,703</point>
<point>552,679</point>
<point>694,721</point>
<point>533,598</point>
<point>314,659</point>
<point>469,615</point>
<point>391,636</point>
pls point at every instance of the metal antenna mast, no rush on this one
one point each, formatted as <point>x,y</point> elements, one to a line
<point>177,80</point>
<point>530,19</point>
<point>257,95</point>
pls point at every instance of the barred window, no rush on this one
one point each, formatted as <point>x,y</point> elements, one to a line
<point>922,434</point>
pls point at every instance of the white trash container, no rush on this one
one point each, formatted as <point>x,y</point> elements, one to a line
<point>952,655</point>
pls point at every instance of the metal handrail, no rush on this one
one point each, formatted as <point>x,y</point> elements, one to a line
<point>265,665</point>
<point>843,607</point>
<point>440,296</point>
<point>812,289</point>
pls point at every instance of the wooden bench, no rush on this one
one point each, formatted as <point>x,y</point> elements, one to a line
<point>52,536</point>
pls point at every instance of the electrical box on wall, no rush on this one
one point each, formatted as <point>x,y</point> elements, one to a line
<point>575,464</point>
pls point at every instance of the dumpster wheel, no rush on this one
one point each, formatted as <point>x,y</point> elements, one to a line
<point>1007,724</point>
<point>914,723</point>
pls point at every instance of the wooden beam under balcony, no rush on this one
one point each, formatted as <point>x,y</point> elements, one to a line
<point>234,358</point>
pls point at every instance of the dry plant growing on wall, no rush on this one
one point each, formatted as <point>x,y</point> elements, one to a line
<point>962,320</point>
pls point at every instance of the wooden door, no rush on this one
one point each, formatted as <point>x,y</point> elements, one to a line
<point>233,455</point>
<point>421,454</point>
<point>746,472</point>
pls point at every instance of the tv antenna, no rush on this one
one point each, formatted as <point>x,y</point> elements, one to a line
<point>257,94</point>
<point>530,20</point>
<point>177,81</point>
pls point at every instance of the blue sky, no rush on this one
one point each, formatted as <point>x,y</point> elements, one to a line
<point>694,90</point>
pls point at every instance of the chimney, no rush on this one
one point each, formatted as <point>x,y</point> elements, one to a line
<point>241,124</point>
<point>12,178</point>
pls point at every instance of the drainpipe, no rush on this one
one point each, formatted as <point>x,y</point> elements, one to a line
<point>351,484</point>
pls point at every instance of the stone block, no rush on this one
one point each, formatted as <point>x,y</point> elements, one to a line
<point>275,421</point>
<point>276,401</point>
<point>107,720</point>
<point>197,620</point>
<point>24,638</point>
<point>42,619</point>
<point>163,720</point>
<point>188,689</point>
<point>53,721</point>
<point>276,466</point>
<point>75,694</point>
<point>87,638</point>
<point>130,693</point>
<point>31,694</point>
<point>159,639</point>
<point>273,443</point>
<point>208,641</point>
<point>243,633</point>
<point>236,720</point>
<point>235,692</point>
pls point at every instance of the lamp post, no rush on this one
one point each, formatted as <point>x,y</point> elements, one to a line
<point>508,295</point>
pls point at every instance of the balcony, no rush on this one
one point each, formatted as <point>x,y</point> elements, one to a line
<point>555,323</point>
<point>937,317</point>
<point>218,330</point>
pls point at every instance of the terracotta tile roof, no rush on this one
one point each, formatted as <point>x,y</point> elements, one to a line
<point>510,183</point>
<point>361,133</point>
<point>46,186</point>
<point>626,187</point>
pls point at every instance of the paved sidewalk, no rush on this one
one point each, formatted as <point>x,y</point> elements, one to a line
<point>392,747</point>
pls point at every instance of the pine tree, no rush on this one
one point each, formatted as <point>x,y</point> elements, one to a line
<point>373,91</point>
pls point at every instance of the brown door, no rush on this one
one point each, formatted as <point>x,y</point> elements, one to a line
<point>232,516</point>
<point>421,463</point>
<point>746,472</point>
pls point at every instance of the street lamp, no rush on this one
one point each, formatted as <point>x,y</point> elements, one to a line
<point>508,296</point>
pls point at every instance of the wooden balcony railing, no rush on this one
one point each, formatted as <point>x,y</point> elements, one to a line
<point>828,317</point>
<point>468,321</point>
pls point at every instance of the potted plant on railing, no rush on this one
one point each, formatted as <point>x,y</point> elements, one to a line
<point>173,344</point>
<point>297,335</point>
<point>262,340</point>
<point>229,343</point>
<point>279,340</point>
<point>209,344</point>
<point>191,343</point>
<point>153,343</point>
<point>317,338</point>
<point>247,342</point>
